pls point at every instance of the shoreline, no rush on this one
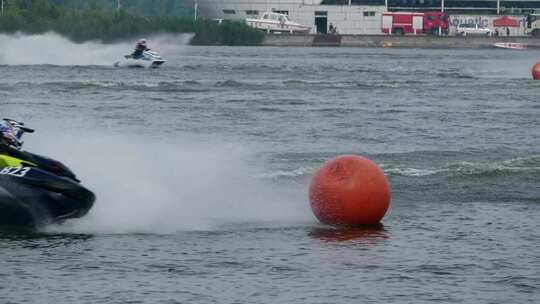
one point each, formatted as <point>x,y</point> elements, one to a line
<point>410,41</point>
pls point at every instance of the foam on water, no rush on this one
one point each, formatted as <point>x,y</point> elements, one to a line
<point>54,49</point>
<point>302,171</point>
<point>413,172</point>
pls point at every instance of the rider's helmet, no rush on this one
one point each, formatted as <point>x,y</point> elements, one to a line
<point>142,41</point>
<point>8,137</point>
<point>11,132</point>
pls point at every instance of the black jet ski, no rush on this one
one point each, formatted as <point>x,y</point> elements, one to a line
<point>36,190</point>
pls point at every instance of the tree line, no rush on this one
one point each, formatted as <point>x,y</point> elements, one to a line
<point>93,21</point>
<point>140,7</point>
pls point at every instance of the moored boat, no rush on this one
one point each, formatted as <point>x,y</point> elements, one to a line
<point>276,23</point>
<point>510,45</point>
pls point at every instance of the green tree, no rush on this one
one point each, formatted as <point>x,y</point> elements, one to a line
<point>94,20</point>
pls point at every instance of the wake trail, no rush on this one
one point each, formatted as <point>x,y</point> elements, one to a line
<point>54,49</point>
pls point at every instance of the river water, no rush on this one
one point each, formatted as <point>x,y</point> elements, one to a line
<point>201,170</point>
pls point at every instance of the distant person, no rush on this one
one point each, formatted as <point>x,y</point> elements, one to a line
<point>140,48</point>
<point>496,33</point>
<point>332,29</point>
<point>507,31</point>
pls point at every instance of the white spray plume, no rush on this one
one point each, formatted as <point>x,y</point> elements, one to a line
<point>54,49</point>
<point>158,186</point>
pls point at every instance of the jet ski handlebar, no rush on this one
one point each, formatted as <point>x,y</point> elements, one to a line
<point>19,125</point>
<point>27,130</point>
<point>14,136</point>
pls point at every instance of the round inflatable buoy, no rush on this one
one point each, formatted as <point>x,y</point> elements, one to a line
<point>536,71</point>
<point>349,190</point>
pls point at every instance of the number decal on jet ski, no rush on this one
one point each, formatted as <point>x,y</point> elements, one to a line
<point>15,171</point>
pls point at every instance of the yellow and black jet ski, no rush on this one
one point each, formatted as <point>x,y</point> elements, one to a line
<point>36,190</point>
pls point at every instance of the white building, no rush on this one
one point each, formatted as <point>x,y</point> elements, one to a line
<point>365,16</point>
<point>349,19</point>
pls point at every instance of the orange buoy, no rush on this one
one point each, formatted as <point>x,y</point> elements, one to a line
<point>349,190</point>
<point>536,71</point>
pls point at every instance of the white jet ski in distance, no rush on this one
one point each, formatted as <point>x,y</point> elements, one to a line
<point>149,59</point>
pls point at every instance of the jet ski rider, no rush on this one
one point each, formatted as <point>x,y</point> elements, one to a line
<point>140,48</point>
<point>10,139</point>
<point>8,136</point>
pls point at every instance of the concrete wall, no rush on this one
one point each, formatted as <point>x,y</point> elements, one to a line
<point>402,41</point>
<point>288,40</point>
<point>348,19</point>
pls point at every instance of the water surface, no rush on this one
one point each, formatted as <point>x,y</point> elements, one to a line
<point>201,170</point>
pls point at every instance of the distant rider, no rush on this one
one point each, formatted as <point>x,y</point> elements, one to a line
<point>140,48</point>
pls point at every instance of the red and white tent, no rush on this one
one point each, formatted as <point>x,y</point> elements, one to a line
<point>505,21</point>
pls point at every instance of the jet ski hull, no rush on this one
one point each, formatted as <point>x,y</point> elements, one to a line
<point>148,60</point>
<point>136,63</point>
<point>37,198</point>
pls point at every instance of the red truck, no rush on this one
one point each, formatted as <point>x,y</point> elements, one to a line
<point>400,23</point>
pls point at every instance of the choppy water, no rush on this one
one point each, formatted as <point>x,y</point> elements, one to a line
<point>201,171</point>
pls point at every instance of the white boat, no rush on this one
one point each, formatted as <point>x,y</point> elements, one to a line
<point>276,23</point>
<point>510,45</point>
<point>149,59</point>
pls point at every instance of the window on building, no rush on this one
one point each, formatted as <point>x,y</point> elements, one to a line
<point>353,2</point>
<point>252,12</point>
<point>321,13</point>
<point>530,5</point>
<point>280,11</point>
<point>229,11</point>
<point>369,14</point>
